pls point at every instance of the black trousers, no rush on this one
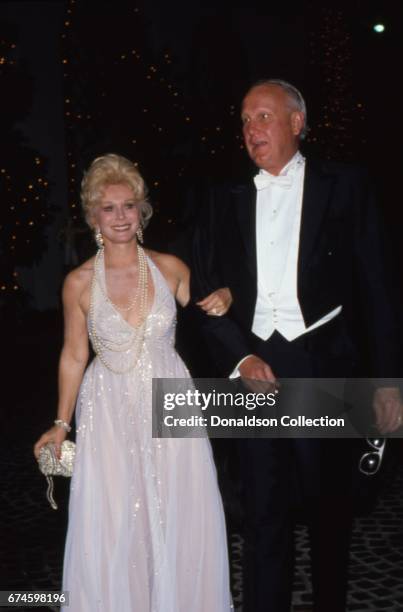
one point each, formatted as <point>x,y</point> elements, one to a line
<point>280,475</point>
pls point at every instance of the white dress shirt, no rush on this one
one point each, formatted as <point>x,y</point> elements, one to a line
<point>278,223</point>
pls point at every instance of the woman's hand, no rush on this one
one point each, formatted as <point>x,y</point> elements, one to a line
<point>217,303</point>
<point>56,435</point>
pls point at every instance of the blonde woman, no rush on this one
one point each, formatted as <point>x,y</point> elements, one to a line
<point>146,527</point>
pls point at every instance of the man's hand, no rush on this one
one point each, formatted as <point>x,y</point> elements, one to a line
<point>257,375</point>
<point>388,409</point>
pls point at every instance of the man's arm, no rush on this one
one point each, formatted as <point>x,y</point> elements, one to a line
<point>229,344</point>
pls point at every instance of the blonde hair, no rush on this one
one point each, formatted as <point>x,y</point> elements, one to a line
<point>113,169</point>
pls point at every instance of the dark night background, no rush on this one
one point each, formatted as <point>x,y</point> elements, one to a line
<point>160,82</point>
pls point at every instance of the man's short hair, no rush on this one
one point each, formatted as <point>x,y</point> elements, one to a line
<point>294,95</point>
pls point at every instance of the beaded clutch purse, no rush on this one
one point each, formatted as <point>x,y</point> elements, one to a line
<point>51,466</point>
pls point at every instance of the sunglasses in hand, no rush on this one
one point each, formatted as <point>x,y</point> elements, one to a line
<point>371,461</point>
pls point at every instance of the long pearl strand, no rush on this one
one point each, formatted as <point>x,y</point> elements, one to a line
<point>136,342</point>
<point>140,282</point>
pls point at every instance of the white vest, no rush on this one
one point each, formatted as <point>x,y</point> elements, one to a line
<point>278,223</point>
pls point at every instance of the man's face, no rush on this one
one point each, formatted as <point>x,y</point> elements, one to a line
<point>271,127</point>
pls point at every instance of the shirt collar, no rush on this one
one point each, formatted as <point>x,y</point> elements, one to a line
<point>296,160</point>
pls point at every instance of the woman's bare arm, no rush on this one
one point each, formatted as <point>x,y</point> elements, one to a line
<point>73,357</point>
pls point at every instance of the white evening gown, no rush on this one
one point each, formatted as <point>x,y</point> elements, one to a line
<point>146,526</point>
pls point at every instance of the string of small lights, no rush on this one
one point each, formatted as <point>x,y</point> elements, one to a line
<point>70,115</point>
<point>331,54</point>
<point>123,97</point>
<point>97,120</point>
<point>24,212</point>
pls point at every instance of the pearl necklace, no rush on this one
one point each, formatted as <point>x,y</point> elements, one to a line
<point>141,280</point>
<point>100,345</point>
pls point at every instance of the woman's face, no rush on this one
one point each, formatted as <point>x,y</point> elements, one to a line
<point>117,214</point>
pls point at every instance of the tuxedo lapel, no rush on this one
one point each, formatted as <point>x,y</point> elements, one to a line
<point>317,191</point>
<point>245,207</point>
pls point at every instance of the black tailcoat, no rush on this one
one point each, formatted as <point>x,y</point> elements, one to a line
<point>342,261</point>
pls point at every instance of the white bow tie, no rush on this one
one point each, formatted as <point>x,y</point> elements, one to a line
<point>262,181</point>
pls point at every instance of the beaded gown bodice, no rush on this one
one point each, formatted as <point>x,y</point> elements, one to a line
<point>123,343</point>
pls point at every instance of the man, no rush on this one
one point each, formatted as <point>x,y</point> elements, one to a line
<point>299,247</point>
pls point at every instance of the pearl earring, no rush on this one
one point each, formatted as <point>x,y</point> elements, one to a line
<point>99,239</point>
<point>139,234</point>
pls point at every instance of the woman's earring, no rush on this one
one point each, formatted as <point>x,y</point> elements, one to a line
<point>139,234</point>
<point>99,239</point>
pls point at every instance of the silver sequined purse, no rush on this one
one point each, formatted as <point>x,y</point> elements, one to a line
<point>51,466</point>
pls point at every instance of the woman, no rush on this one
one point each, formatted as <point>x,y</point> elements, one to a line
<point>146,527</point>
